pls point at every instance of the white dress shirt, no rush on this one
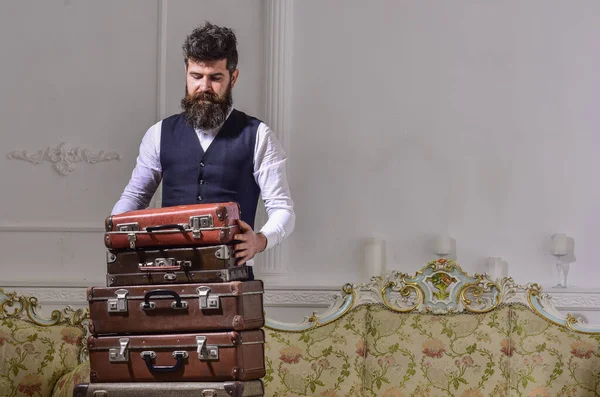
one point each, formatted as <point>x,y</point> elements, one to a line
<point>269,173</point>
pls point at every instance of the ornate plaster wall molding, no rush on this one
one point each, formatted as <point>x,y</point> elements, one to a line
<point>63,157</point>
<point>55,295</point>
<point>580,301</point>
<point>294,298</point>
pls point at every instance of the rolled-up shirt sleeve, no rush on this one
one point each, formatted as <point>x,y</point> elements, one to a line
<point>146,175</point>
<point>270,174</point>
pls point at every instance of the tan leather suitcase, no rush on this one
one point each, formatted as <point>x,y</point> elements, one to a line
<point>235,305</point>
<point>252,388</point>
<point>192,357</point>
<point>178,226</point>
<point>173,266</point>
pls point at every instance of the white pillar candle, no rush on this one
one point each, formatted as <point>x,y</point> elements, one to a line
<point>443,245</point>
<point>496,268</point>
<point>374,257</point>
<point>559,244</point>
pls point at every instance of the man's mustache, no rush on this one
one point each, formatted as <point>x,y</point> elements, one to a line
<point>206,96</point>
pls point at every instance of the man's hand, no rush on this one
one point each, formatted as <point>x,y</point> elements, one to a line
<point>250,243</point>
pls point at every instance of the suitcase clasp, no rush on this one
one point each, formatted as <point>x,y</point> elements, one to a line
<point>120,354</point>
<point>206,352</point>
<point>118,304</point>
<point>197,223</point>
<point>224,252</point>
<point>209,393</point>
<point>128,227</point>
<point>207,301</point>
<point>131,237</point>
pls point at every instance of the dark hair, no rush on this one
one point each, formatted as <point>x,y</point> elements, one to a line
<point>211,43</point>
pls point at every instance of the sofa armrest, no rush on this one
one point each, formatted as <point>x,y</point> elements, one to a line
<point>65,385</point>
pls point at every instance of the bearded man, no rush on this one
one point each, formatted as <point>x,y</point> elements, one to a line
<point>212,152</point>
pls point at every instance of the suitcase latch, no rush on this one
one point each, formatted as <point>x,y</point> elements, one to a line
<point>207,301</point>
<point>224,252</point>
<point>128,227</point>
<point>164,262</point>
<point>209,393</point>
<point>120,354</point>
<point>100,393</point>
<point>185,264</point>
<point>158,263</point>
<point>131,237</point>
<point>206,352</point>
<point>197,223</point>
<point>118,304</point>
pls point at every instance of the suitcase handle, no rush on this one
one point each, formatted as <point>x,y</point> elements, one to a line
<point>148,356</point>
<point>151,229</point>
<point>147,305</point>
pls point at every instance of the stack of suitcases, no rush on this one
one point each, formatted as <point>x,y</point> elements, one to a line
<point>178,317</point>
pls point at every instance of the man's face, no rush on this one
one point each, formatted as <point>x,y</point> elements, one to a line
<point>208,96</point>
<point>209,77</point>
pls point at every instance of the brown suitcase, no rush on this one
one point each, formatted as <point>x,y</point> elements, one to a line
<point>194,357</point>
<point>251,388</point>
<point>173,266</point>
<point>178,308</point>
<point>178,226</point>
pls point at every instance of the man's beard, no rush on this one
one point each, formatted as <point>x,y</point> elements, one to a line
<point>206,115</point>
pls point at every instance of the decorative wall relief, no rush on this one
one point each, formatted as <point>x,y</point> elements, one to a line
<point>63,157</point>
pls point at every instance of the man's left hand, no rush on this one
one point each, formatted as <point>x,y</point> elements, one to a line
<point>249,244</point>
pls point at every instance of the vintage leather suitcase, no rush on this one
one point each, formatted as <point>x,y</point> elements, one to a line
<point>192,357</point>
<point>173,266</point>
<point>234,305</point>
<point>252,388</point>
<point>178,226</point>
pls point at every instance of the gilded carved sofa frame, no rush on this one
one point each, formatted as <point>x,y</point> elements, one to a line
<point>441,287</point>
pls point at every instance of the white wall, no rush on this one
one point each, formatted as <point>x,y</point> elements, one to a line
<point>82,73</point>
<point>89,74</point>
<point>416,117</point>
<point>408,118</point>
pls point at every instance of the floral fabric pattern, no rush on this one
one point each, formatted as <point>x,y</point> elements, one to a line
<point>65,385</point>
<point>434,355</point>
<point>549,360</point>
<point>372,351</point>
<point>327,361</point>
<point>33,358</point>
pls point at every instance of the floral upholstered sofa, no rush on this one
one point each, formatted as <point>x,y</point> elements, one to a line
<point>38,355</point>
<point>440,332</point>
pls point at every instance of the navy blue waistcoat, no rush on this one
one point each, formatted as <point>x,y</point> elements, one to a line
<point>225,172</point>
